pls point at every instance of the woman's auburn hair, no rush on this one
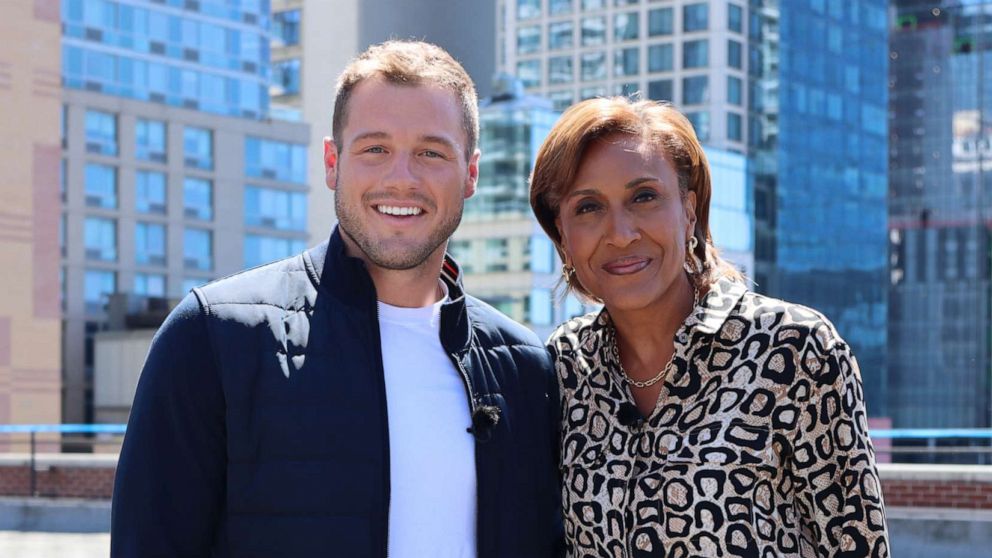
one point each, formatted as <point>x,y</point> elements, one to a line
<point>656,125</point>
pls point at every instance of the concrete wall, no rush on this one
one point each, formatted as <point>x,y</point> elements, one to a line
<point>117,364</point>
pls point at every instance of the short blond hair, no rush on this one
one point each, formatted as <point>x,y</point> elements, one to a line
<point>410,63</point>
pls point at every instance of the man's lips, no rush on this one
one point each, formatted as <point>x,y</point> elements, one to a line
<point>626,265</point>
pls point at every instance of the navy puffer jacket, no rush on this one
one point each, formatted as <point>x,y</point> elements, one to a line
<point>259,427</point>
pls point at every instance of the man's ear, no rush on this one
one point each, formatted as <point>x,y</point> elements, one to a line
<point>472,180</point>
<point>330,163</point>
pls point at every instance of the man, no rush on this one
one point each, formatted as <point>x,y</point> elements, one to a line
<point>352,401</point>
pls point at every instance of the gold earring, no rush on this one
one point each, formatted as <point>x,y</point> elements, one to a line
<point>693,264</point>
<point>568,272</point>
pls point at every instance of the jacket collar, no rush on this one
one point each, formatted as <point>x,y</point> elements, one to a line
<point>345,277</point>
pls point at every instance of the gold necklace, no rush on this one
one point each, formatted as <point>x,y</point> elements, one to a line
<point>664,370</point>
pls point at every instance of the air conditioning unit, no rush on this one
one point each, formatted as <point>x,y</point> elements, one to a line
<point>158,157</point>
<point>156,207</point>
<point>94,201</point>
<point>192,213</point>
<point>269,173</point>
<point>191,263</point>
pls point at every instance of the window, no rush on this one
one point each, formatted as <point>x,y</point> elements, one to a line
<point>626,26</point>
<point>285,77</point>
<point>557,7</point>
<point>149,195</point>
<point>528,39</point>
<point>100,238</point>
<point>197,249</point>
<point>560,70</point>
<point>660,90</point>
<point>735,18</point>
<point>560,35</point>
<point>592,92</point>
<point>627,62</point>
<point>100,185</point>
<point>149,139</point>
<point>631,89</point>
<point>149,243</point>
<point>542,254</point>
<point>149,284</point>
<point>660,22</point>
<point>700,123</point>
<point>734,91</point>
<point>539,310</point>
<point>265,249</point>
<point>593,31</point>
<point>98,285</point>
<point>735,127</point>
<point>198,198</point>
<point>593,66</point>
<point>589,5</point>
<point>661,58</point>
<point>496,255</point>
<point>190,282</point>
<point>528,9</point>
<point>695,90</point>
<point>695,54</point>
<point>275,160</point>
<point>529,72</point>
<point>275,209</point>
<point>198,147</point>
<point>286,27</point>
<point>561,100</point>
<point>101,132</point>
<point>735,57</point>
<point>695,17</point>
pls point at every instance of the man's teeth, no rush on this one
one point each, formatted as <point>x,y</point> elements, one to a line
<point>391,210</point>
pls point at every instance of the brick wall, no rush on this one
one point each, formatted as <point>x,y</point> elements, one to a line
<point>61,476</point>
<point>912,486</point>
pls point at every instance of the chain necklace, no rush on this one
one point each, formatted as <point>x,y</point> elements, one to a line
<point>664,370</point>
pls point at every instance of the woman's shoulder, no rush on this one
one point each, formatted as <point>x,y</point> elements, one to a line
<point>786,322</point>
<point>579,332</point>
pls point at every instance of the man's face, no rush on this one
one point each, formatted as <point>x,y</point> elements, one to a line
<point>401,178</point>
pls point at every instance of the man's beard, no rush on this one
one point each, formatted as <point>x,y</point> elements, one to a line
<point>404,254</point>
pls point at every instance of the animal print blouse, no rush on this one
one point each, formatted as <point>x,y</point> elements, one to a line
<point>758,445</point>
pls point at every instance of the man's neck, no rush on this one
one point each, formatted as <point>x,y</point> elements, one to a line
<point>406,288</point>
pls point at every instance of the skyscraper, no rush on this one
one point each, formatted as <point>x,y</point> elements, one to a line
<point>692,53</point>
<point>172,173</point>
<point>818,138</point>
<point>30,384</point>
<point>940,203</point>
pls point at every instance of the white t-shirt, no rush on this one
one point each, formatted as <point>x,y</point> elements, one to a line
<point>432,509</point>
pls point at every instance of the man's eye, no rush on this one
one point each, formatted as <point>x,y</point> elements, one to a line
<point>434,154</point>
<point>375,149</point>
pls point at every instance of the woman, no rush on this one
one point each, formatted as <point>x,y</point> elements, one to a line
<point>698,418</point>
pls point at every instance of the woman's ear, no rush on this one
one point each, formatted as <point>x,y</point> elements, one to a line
<point>690,213</point>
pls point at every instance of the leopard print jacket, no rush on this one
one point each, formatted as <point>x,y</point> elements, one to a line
<point>758,445</point>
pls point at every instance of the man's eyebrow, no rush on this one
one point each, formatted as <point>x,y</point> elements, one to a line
<point>632,184</point>
<point>441,140</point>
<point>369,135</point>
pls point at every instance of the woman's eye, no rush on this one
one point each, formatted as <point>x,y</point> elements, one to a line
<point>645,196</point>
<point>586,207</point>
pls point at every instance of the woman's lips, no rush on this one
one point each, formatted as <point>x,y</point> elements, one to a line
<point>626,266</point>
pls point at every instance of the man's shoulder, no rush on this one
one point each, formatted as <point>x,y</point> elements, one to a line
<point>497,329</point>
<point>283,283</point>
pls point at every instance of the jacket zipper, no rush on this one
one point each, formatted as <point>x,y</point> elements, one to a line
<point>475,444</point>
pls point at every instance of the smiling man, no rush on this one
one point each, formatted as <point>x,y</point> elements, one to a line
<point>352,400</point>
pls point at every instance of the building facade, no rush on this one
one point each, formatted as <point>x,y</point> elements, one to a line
<point>30,318</point>
<point>691,53</point>
<point>167,184</point>
<point>819,145</point>
<point>940,203</point>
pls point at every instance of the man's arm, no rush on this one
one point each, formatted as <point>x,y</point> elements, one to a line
<point>170,484</point>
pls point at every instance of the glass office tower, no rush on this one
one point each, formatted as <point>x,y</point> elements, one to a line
<point>940,203</point>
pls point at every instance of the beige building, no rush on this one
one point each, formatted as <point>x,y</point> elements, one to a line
<point>29,215</point>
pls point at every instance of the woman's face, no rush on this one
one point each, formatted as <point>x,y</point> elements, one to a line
<point>624,224</point>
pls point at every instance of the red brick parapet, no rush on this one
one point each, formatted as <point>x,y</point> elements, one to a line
<point>903,486</point>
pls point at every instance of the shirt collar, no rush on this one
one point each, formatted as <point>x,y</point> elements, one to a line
<point>713,310</point>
